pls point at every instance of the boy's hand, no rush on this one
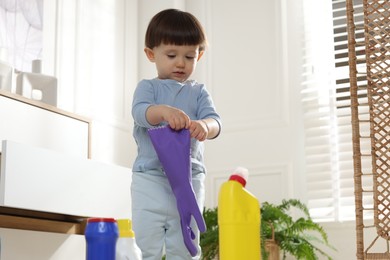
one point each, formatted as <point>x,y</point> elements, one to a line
<point>199,130</point>
<point>176,118</point>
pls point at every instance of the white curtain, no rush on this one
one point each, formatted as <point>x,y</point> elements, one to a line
<point>21,23</point>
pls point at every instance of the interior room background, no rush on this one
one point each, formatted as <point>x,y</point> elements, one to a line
<point>270,68</point>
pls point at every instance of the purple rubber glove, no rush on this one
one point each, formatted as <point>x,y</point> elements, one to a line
<point>173,149</point>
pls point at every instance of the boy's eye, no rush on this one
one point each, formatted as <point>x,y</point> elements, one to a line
<point>190,57</point>
<point>171,56</point>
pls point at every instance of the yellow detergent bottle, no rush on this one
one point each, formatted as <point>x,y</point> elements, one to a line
<point>238,219</point>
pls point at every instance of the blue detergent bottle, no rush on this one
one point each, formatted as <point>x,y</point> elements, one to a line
<point>101,235</point>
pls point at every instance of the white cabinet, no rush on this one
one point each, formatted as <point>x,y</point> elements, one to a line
<point>47,180</point>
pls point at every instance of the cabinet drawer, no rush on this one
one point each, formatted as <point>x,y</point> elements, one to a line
<point>31,122</point>
<point>34,178</point>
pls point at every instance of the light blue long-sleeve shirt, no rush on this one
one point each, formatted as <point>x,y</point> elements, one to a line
<point>190,97</point>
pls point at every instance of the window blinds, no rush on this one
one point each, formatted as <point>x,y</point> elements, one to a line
<point>326,103</point>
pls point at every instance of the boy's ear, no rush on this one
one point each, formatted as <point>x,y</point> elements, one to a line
<point>149,53</point>
<point>200,55</point>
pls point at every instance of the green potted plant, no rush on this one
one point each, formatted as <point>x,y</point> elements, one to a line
<point>279,230</point>
<point>298,237</point>
<point>209,241</point>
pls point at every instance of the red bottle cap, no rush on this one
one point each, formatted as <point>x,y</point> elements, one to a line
<point>240,175</point>
<point>238,179</point>
<point>101,220</point>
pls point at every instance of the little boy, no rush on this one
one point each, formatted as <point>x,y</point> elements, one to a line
<point>174,41</point>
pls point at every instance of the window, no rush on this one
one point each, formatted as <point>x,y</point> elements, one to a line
<point>326,102</point>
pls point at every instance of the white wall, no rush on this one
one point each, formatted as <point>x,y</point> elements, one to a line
<point>252,68</point>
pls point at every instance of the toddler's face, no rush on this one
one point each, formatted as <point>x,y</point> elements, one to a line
<point>176,62</point>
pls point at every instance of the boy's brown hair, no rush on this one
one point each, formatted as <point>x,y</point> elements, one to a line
<point>175,27</point>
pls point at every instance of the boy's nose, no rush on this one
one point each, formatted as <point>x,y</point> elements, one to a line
<point>180,63</point>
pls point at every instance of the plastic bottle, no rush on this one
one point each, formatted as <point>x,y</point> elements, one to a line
<point>238,219</point>
<point>101,235</point>
<point>126,247</point>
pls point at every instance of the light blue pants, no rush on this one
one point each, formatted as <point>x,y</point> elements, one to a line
<point>156,221</point>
